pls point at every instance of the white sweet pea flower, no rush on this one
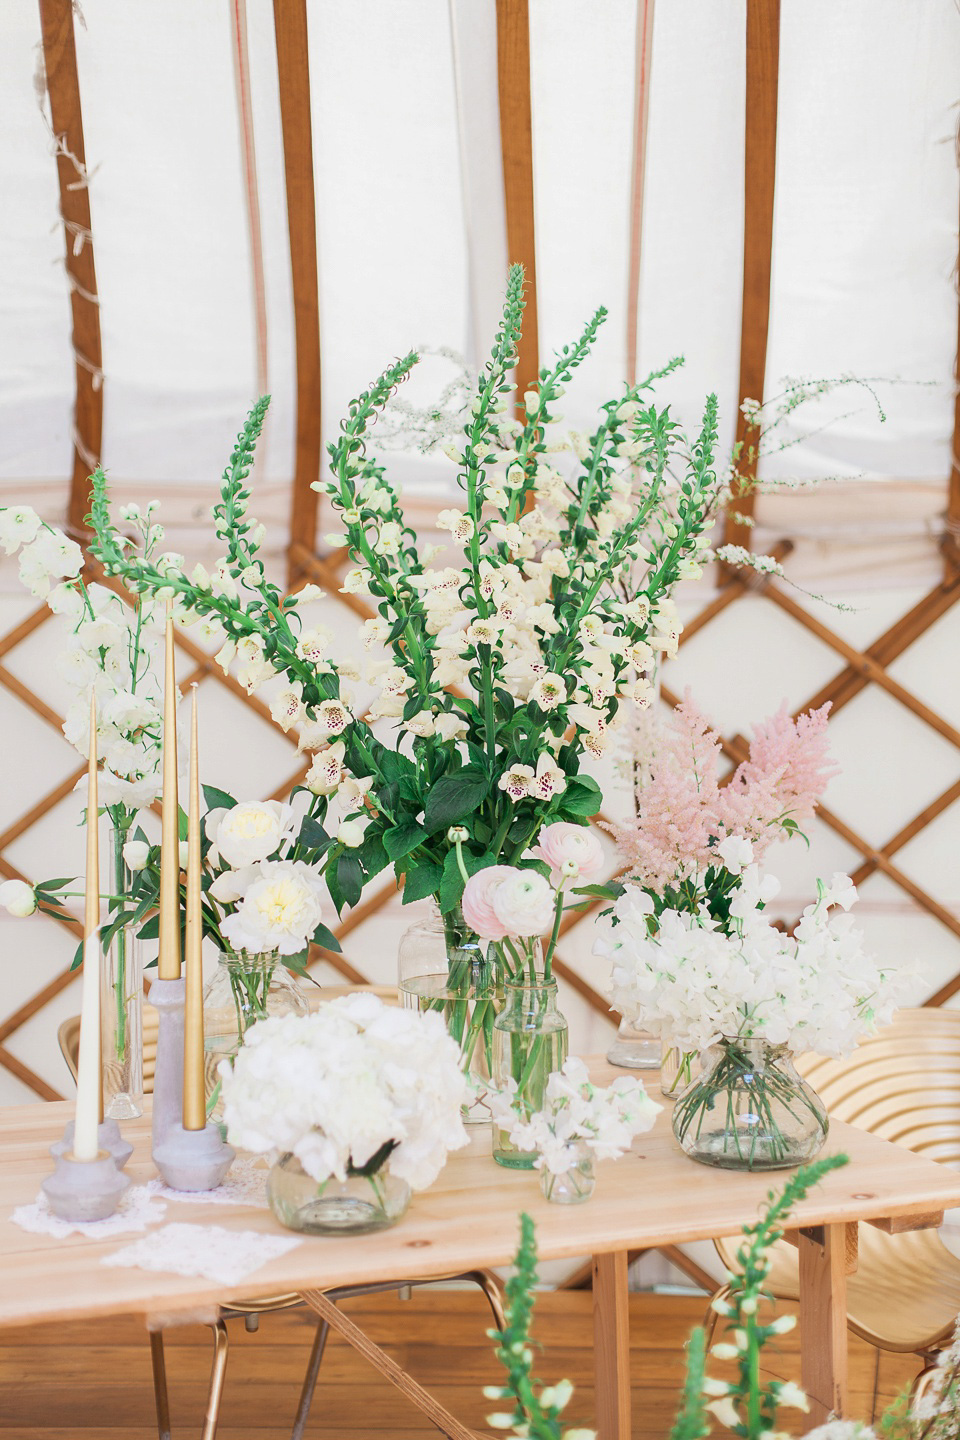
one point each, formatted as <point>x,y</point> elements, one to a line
<point>18,898</point>
<point>736,853</point>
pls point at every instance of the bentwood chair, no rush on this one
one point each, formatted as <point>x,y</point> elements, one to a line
<point>251,1310</point>
<point>902,1084</point>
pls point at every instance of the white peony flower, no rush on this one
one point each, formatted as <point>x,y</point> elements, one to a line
<point>252,831</point>
<point>278,908</point>
<point>17,897</point>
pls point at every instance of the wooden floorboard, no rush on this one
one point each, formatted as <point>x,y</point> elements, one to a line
<point>91,1381</point>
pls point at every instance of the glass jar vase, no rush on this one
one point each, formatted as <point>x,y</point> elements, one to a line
<point>444,967</point>
<point>677,1068</point>
<point>749,1109</point>
<point>575,1184</point>
<point>121,991</point>
<point>530,1042</point>
<point>355,1206</point>
<point>244,989</point>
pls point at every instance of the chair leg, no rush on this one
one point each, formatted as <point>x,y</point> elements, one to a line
<point>490,1286</point>
<point>922,1383</point>
<point>310,1380</point>
<point>712,1317</point>
<point>160,1384</point>
<point>221,1344</point>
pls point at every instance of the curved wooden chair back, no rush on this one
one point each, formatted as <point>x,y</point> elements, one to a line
<point>902,1084</point>
<point>68,1035</point>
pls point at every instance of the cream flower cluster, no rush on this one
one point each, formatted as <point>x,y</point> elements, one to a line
<point>336,1087</point>
<point>688,976</point>
<point>577,1112</point>
<point>113,651</point>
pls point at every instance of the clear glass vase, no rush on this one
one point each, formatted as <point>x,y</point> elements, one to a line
<point>354,1206</point>
<point>677,1068</point>
<point>530,1042</point>
<point>634,1048</point>
<point>443,966</point>
<point>244,989</point>
<point>121,998</point>
<point>576,1183</point>
<point>749,1109</point>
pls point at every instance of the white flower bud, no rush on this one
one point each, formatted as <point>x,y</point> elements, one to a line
<point>350,833</point>
<point>136,854</point>
<point>17,897</point>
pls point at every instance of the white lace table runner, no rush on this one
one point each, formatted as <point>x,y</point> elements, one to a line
<point>226,1256</point>
<point>245,1183</point>
<point>138,1207</point>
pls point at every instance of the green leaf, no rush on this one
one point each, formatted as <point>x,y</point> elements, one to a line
<point>326,939</point>
<point>350,878</point>
<point>582,797</point>
<point>217,799</point>
<point>372,855</point>
<point>420,883</point>
<point>296,963</point>
<point>77,960</point>
<point>150,930</point>
<point>313,835</point>
<point>182,823</point>
<point>402,839</point>
<point>452,885</point>
<point>454,797</point>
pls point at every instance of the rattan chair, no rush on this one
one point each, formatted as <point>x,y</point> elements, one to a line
<point>250,1311</point>
<point>902,1084</point>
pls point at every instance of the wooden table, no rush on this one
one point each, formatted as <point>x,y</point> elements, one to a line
<point>653,1196</point>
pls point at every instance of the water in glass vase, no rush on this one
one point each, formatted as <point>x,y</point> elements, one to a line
<point>443,967</point>
<point>244,989</point>
<point>530,1042</point>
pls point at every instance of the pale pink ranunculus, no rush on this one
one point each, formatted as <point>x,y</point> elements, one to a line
<point>524,902</point>
<point>561,842</point>
<point>477,903</point>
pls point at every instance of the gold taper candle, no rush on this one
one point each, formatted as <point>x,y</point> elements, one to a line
<point>168,964</point>
<point>89,1084</point>
<point>194,1107</point>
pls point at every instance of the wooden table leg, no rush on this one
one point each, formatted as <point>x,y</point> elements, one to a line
<point>823,1319</point>
<point>611,1346</point>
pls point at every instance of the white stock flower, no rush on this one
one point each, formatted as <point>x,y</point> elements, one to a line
<point>252,831</point>
<point>278,908</point>
<point>17,897</point>
<point>18,526</point>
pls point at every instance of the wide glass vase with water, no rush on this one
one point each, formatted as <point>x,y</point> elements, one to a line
<point>245,988</point>
<point>358,1205</point>
<point>530,1042</point>
<point>749,1109</point>
<point>444,967</point>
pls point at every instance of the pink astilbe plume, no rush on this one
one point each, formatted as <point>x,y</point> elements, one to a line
<point>782,779</point>
<point>677,807</point>
<point>683,811</point>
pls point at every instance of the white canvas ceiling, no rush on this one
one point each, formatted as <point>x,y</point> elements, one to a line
<point>411,218</point>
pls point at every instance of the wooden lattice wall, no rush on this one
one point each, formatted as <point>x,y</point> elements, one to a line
<point>856,669</point>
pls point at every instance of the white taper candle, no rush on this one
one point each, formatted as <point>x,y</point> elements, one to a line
<point>89,1082</point>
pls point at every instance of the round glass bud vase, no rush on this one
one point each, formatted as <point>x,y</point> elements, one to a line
<point>749,1109</point>
<point>677,1068</point>
<point>244,989</point>
<point>355,1206</point>
<point>444,967</point>
<point>573,1185</point>
<point>121,996</point>
<point>530,1042</point>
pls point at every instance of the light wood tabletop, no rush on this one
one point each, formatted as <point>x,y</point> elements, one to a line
<point>468,1219</point>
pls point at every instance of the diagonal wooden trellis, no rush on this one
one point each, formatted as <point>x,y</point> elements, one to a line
<point>857,669</point>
